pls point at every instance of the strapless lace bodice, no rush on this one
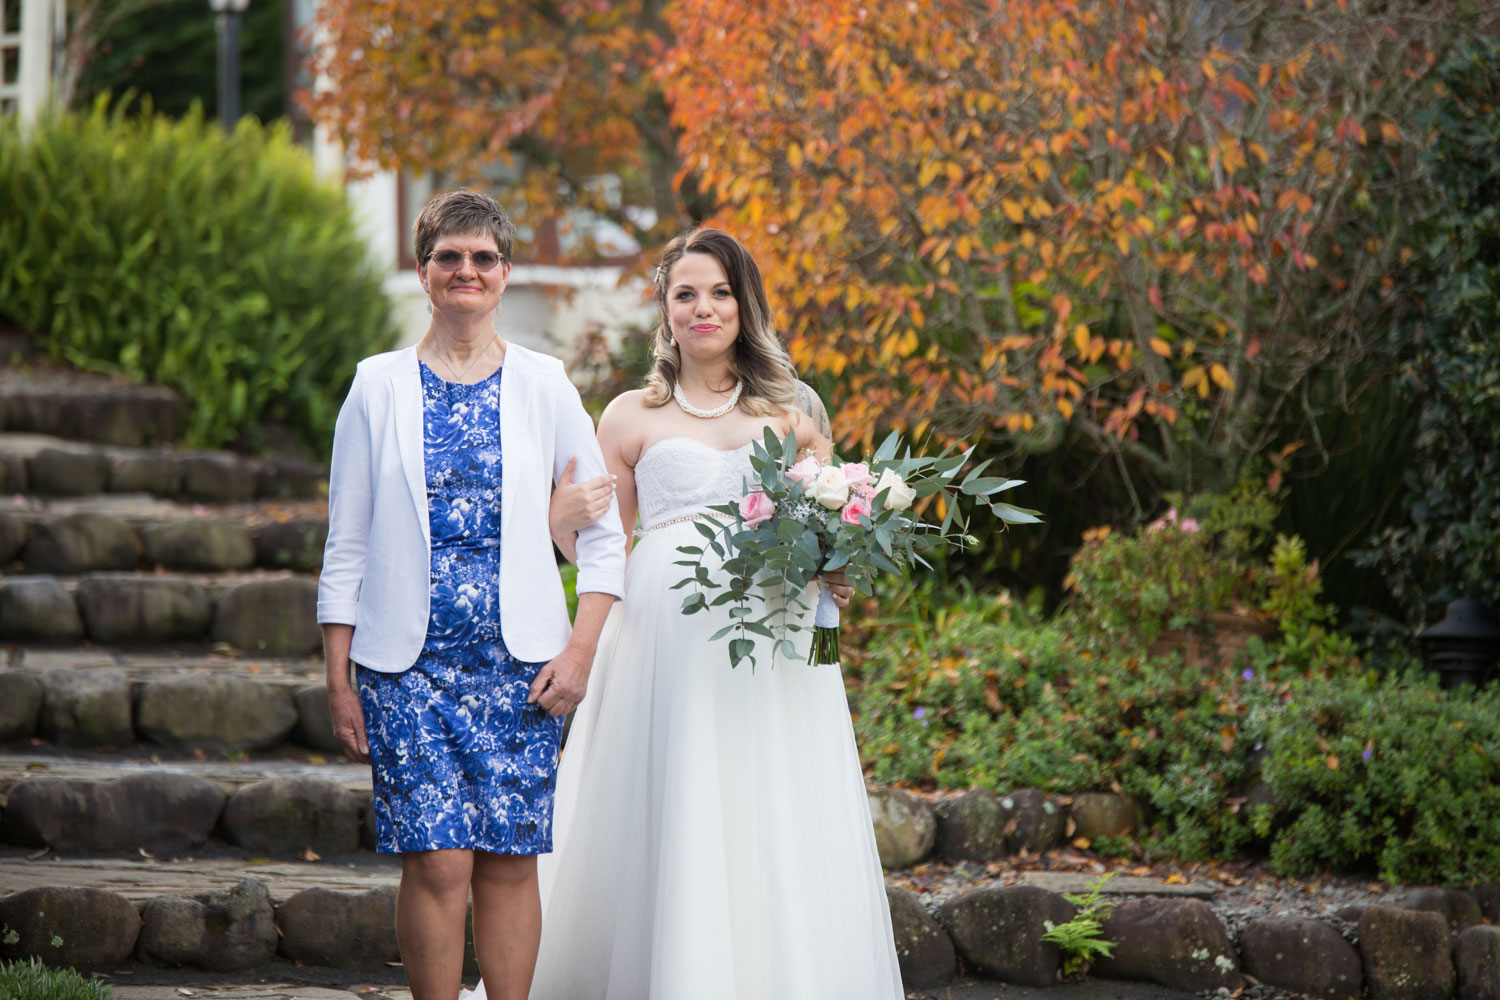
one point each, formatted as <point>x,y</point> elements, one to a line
<point>679,475</point>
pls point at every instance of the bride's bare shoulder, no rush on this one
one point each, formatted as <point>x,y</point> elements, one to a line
<point>624,423</point>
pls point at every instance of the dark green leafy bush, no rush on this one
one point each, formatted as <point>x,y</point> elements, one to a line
<point>173,253</point>
<point>1449,541</point>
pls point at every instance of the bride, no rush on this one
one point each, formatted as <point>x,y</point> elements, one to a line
<point>713,839</point>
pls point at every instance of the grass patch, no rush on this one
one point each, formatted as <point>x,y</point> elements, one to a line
<point>31,980</point>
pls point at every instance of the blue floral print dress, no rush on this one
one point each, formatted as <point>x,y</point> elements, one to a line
<point>460,760</point>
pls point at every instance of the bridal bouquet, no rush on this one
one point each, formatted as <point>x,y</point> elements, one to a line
<point>800,517</point>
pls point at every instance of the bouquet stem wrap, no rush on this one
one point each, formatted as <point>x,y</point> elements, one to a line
<point>825,644</point>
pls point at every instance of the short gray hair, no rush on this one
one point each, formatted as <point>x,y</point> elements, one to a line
<point>462,212</point>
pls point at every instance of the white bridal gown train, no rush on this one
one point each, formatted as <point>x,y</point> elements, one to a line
<point>713,839</point>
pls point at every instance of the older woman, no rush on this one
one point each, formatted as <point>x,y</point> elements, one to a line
<point>440,587</point>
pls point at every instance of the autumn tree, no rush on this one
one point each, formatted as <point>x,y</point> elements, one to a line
<point>552,100</point>
<point>1147,223</point>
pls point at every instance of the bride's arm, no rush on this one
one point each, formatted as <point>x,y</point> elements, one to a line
<point>619,439</point>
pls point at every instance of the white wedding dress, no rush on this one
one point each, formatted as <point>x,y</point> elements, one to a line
<point>713,839</point>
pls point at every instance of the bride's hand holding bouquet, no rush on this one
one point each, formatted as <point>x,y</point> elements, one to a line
<point>802,517</point>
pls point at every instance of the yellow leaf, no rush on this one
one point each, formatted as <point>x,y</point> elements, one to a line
<point>1390,132</point>
<point>1193,377</point>
<point>1221,378</point>
<point>1065,407</point>
<point>1012,210</point>
<point>794,156</point>
<point>1122,241</point>
<point>1081,338</point>
<point>1161,347</point>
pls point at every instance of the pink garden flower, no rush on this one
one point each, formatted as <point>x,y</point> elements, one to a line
<point>856,473</point>
<point>1188,524</point>
<point>805,471</point>
<point>756,509</point>
<point>856,508</point>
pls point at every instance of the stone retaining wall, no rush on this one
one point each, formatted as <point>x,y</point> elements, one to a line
<point>274,615</point>
<point>1397,953</point>
<point>69,470</point>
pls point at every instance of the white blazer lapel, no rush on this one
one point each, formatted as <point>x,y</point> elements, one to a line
<point>406,393</point>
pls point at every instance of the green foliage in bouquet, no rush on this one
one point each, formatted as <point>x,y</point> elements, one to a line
<point>170,252</point>
<point>802,518</point>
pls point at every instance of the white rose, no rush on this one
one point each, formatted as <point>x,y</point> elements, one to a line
<point>900,496</point>
<point>830,488</point>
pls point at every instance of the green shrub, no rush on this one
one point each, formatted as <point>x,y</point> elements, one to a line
<point>976,693</point>
<point>1391,773</point>
<point>31,980</point>
<point>1199,557</point>
<point>170,252</point>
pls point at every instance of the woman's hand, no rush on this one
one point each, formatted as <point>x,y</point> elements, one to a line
<point>349,723</point>
<point>561,683</point>
<point>838,586</point>
<point>578,505</point>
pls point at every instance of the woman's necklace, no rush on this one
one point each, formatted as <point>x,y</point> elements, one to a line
<point>448,362</point>
<point>718,411</point>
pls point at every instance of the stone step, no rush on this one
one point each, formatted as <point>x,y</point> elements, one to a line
<point>167,704</point>
<point>47,465</point>
<point>87,407</point>
<point>267,612</point>
<point>117,532</point>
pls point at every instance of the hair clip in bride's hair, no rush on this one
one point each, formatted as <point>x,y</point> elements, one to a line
<point>656,278</point>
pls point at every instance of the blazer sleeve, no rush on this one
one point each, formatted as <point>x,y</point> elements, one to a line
<point>350,505</point>
<point>601,545</point>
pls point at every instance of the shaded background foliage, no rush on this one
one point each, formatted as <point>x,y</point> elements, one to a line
<point>1447,542</point>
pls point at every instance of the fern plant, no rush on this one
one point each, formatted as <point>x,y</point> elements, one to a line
<point>1081,939</point>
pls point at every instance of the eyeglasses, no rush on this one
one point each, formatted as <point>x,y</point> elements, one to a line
<point>449,260</point>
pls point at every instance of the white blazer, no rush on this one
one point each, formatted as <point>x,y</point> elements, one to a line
<point>377,563</point>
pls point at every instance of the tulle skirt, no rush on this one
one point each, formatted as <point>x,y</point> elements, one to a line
<point>712,834</point>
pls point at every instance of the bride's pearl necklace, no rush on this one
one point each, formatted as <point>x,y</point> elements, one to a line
<point>718,411</point>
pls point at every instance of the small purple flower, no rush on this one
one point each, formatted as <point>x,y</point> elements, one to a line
<point>921,711</point>
<point>1367,754</point>
<point>1248,674</point>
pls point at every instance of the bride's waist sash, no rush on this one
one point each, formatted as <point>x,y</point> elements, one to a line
<point>682,515</point>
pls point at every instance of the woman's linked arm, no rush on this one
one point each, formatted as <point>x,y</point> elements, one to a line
<point>575,506</point>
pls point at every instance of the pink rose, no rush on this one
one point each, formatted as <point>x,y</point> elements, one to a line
<point>805,471</point>
<point>756,509</point>
<point>856,508</point>
<point>857,473</point>
<point>1189,525</point>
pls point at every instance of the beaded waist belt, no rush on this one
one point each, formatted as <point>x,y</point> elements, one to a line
<point>681,519</point>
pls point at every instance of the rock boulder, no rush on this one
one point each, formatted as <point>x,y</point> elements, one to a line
<point>87,929</point>
<point>971,827</point>
<point>122,607</point>
<point>37,607</point>
<point>86,707</point>
<point>1407,954</point>
<point>1178,943</point>
<point>289,815</point>
<point>220,930</point>
<point>199,545</point>
<point>1301,955</point>
<point>1477,956</point>
<point>922,947</point>
<point>1033,822</point>
<point>156,811</point>
<point>216,712</point>
<point>323,927</point>
<point>20,705</point>
<point>270,616</point>
<point>999,932</point>
<point>905,829</point>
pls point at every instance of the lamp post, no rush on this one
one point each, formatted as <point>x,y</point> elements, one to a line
<point>229,12</point>
<point>1462,647</point>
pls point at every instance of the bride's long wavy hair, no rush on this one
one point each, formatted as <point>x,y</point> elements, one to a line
<point>760,358</point>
